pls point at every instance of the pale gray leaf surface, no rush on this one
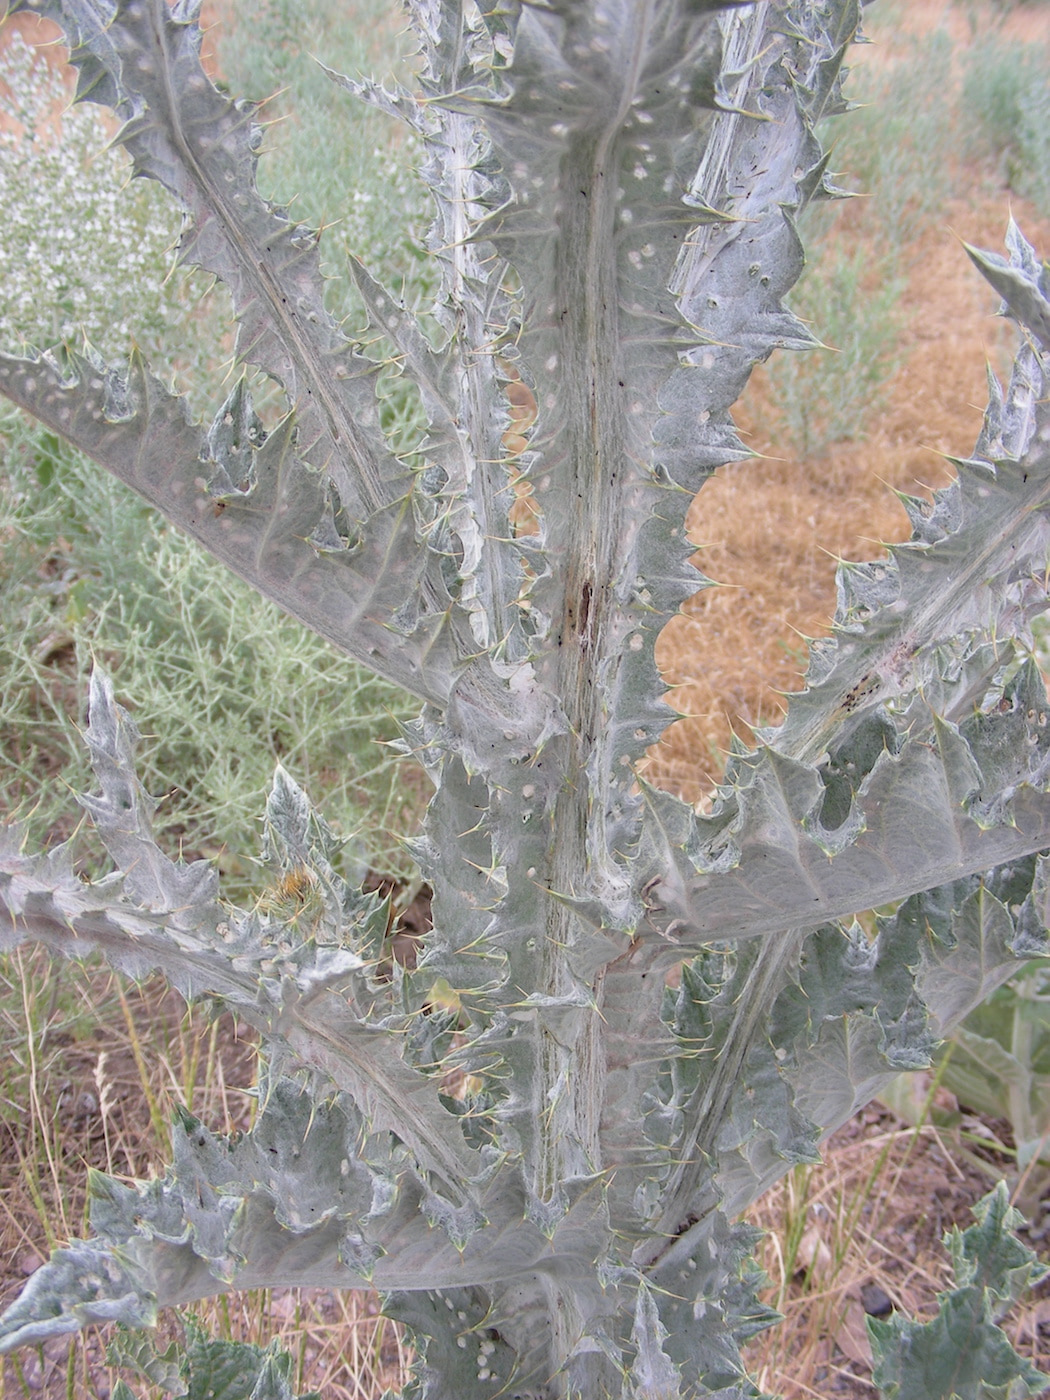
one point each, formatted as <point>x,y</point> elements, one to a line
<point>654,1376</point>
<point>308,1196</point>
<point>613,562</point>
<point>81,1284</point>
<point>1021,282</point>
<point>257,506</point>
<point>122,813</point>
<point>279,1206</point>
<point>764,863</point>
<point>462,391</point>
<point>707,1294</point>
<point>973,569</point>
<point>245,965</point>
<point>808,1032</point>
<point>616,188</point>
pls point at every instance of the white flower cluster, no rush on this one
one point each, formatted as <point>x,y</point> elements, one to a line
<point>81,252</point>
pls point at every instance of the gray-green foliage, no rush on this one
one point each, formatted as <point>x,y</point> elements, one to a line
<point>658,1011</point>
<point>1006,88</point>
<point>364,184</point>
<point>963,1351</point>
<point>205,1369</point>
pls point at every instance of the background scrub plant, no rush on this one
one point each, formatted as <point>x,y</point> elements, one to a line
<point>63,203</point>
<point>657,1010</point>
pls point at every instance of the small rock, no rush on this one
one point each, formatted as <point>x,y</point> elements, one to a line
<point>877,1303</point>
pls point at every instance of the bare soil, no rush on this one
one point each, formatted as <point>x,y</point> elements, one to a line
<point>770,530</point>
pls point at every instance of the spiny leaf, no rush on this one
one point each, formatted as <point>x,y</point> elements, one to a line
<point>962,1354</point>
<point>222,1370</point>
<point>616,193</point>
<point>1021,282</point>
<point>760,865</point>
<point>654,1376</point>
<point>255,504</point>
<point>83,1283</point>
<point>313,995</point>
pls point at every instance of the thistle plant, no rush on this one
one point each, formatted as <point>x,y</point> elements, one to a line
<point>656,1010</point>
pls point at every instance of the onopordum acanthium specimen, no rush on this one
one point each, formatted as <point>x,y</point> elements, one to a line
<point>659,1010</point>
